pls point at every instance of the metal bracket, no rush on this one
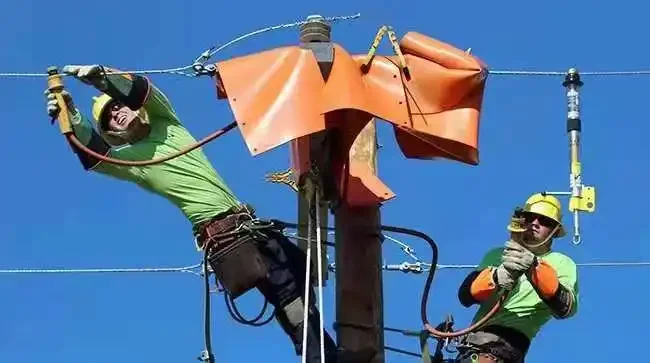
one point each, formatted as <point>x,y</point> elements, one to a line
<point>386,29</point>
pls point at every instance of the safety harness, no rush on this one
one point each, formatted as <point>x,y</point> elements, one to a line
<point>230,253</point>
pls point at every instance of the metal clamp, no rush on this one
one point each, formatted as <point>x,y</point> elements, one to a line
<point>204,69</point>
<point>405,267</point>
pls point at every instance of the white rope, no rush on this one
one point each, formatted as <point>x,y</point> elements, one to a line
<point>319,258</point>
<point>305,317</point>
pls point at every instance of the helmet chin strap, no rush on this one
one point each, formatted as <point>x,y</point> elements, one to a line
<point>546,240</point>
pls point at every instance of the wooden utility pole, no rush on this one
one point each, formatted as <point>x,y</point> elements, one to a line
<point>359,290</point>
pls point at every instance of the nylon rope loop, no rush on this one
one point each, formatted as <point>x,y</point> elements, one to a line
<point>320,273</point>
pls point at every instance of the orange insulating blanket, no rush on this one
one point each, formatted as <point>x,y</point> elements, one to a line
<point>279,96</point>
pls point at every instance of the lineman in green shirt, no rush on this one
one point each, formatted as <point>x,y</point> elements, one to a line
<point>136,121</point>
<point>543,285</point>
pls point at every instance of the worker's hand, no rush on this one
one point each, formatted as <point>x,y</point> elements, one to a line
<point>504,278</point>
<point>90,74</point>
<point>517,259</point>
<point>53,107</point>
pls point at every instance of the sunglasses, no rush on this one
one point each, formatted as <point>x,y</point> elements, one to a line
<point>543,220</point>
<point>113,105</point>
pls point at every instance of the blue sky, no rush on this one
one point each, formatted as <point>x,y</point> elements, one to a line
<point>55,215</point>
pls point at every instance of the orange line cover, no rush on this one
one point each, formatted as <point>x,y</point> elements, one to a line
<point>280,96</point>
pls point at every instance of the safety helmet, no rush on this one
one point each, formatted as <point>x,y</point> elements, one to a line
<point>99,104</point>
<point>548,206</point>
<point>137,132</point>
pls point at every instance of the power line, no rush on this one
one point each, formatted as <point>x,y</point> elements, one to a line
<point>557,73</point>
<point>584,264</point>
<point>414,267</point>
<point>189,269</point>
<point>405,266</point>
<point>205,56</point>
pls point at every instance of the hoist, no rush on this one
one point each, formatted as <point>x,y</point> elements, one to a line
<point>582,198</point>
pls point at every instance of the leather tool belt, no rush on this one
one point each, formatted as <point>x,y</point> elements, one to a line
<point>235,258</point>
<point>492,346</point>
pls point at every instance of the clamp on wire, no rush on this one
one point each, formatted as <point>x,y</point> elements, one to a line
<point>582,197</point>
<point>204,69</point>
<point>406,267</point>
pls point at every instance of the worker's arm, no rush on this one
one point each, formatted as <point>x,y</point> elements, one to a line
<point>556,287</point>
<point>85,132</point>
<point>480,284</point>
<point>82,129</point>
<point>133,90</point>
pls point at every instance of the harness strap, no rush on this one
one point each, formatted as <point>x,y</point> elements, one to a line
<point>206,354</point>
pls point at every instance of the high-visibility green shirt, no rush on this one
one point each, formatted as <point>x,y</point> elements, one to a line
<point>190,182</point>
<point>524,310</point>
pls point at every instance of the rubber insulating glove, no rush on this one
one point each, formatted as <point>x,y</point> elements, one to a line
<point>504,278</point>
<point>90,74</point>
<point>53,107</point>
<point>517,258</point>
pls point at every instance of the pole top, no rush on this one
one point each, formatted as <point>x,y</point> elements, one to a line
<point>52,70</point>
<point>572,78</point>
<point>315,17</point>
<point>315,29</point>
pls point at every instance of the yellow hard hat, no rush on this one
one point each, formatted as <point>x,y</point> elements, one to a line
<point>99,103</point>
<point>548,206</point>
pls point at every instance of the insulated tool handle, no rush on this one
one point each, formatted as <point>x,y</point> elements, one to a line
<point>517,226</point>
<point>55,86</point>
<point>582,198</point>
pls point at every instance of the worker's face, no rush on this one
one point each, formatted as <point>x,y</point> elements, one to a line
<point>119,117</point>
<point>540,226</point>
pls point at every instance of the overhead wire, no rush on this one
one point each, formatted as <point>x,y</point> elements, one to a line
<point>406,249</point>
<point>189,269</point>
<point>205,56</point>
<point>563,73</point>
<point>497,72</point>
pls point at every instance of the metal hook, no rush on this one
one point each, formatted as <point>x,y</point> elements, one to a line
<point>576,239</point>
